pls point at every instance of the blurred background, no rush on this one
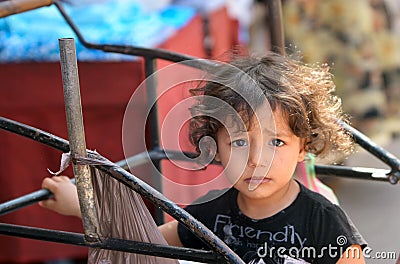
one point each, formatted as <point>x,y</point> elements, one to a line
<point>359,39</point>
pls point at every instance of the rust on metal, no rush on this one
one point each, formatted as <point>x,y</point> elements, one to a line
<point>76,135</point>
<point>12,7</point>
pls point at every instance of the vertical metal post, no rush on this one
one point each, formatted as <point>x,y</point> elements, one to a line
<point>276,25</point>
<point>76,135</point>
<point>151,88</point>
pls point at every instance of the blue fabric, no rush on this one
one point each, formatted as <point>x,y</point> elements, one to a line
<point>33,35</point>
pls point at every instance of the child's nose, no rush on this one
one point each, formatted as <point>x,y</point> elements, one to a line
<point>258,156</point>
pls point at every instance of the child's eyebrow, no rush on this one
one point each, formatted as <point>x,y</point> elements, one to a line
<point>238,132</point>
<point>268,131</point>
<point>281,133</point>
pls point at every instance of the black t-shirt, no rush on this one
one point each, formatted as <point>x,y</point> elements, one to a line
<point>311,229</point>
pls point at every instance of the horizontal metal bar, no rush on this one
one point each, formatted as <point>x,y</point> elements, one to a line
<point>36,134</point>
<point>353,172</point>
<point>111,244</point>
<point>373,148</point>
<point>26,200</point>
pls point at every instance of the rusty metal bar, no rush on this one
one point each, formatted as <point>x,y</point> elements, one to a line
<point>76,135</point>
<point>12,7</point>
<point>115,244</point>
<point>196,227</point>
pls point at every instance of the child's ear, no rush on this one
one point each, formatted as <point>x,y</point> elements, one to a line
<point>302,155</point>
<point>303,151</point>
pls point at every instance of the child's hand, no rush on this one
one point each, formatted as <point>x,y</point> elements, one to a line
<point>65,199</point>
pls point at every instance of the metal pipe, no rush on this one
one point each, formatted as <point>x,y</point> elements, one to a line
<point>111,244</point>
<point>12,7</point>
<point>151,88</point>
<point>26,200</point>
<point>360,173</point>
<point>36,134</point>
<point>76,135</point>
<point>373,148</point>
<point>276,25</point>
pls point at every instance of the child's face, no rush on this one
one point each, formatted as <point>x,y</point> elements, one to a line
<point>261,161</point>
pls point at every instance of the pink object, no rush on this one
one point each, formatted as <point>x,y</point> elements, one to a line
<point>305,173</point>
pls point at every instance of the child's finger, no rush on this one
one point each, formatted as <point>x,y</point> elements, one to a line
<point>50,183</point>
<point>46,182</point>
<point>60,178</point>
<point>49,204</point>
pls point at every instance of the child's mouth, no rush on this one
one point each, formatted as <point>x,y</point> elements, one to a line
<point>254,182</point>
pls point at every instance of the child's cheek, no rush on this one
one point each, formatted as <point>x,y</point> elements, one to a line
<point>235,168</point>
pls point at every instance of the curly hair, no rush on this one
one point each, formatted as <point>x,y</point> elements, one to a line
<point>303,93</point>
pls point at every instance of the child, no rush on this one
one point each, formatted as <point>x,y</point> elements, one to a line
<point>265,115</point>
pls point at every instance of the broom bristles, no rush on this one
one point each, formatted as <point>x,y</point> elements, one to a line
<point>123,214</point>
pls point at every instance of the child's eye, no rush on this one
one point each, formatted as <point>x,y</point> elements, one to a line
<point>239,143</point>
<point>276,142</point>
